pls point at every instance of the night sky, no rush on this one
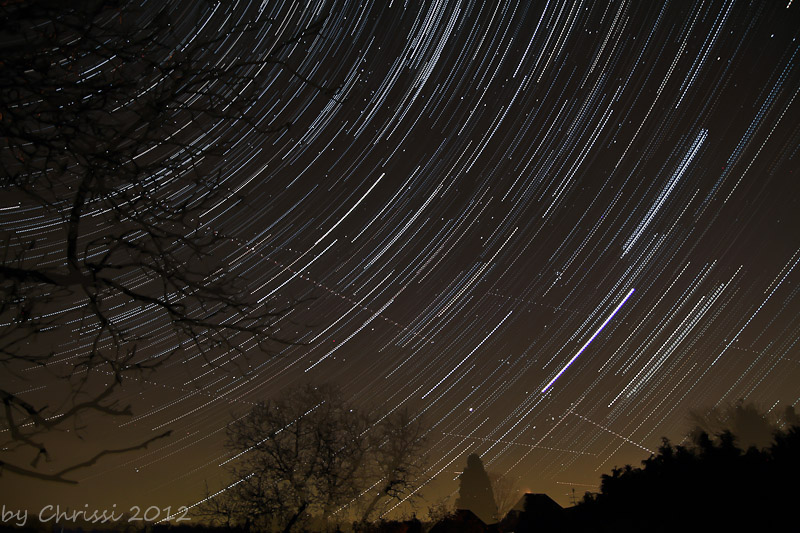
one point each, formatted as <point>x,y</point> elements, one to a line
<point>550,228</point>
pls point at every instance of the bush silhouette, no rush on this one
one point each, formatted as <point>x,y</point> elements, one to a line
<point>713,484</point>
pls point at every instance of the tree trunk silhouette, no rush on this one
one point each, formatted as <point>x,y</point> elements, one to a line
<point>395,459</point>
<point>293,519</point>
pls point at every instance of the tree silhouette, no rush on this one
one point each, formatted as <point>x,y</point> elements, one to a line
<point>712,485</point>
<point>475,490</point>
<point>300,458</point>
<point>295,457</point>
<point>790,417</point>
<point>395,459</point>
<point>112,161</point>
<point>751,425</point>
<point>506,492</point>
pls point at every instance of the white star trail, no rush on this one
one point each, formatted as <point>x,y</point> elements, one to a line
<point>453,202</point>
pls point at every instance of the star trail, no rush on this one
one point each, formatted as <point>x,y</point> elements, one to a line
<point>548,228</point>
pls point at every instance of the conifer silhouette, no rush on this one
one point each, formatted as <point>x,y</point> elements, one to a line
<point>475,490</point>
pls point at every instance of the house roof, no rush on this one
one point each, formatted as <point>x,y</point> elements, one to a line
<point>462,521</point>
<point>537,503</point>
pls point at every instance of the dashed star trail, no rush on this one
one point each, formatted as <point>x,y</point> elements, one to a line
<point>550,229</point>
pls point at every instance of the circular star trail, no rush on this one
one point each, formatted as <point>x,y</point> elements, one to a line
<point>549,228</point>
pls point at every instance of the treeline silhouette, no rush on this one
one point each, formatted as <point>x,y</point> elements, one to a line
<point>711,485</point>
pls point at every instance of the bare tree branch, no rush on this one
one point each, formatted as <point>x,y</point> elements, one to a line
<point>58,477</point>
<point>309,456</point>
<point>102,145</point>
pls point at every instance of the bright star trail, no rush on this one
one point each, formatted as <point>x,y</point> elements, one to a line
<point>579,352</point>
<point>464,216</point>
